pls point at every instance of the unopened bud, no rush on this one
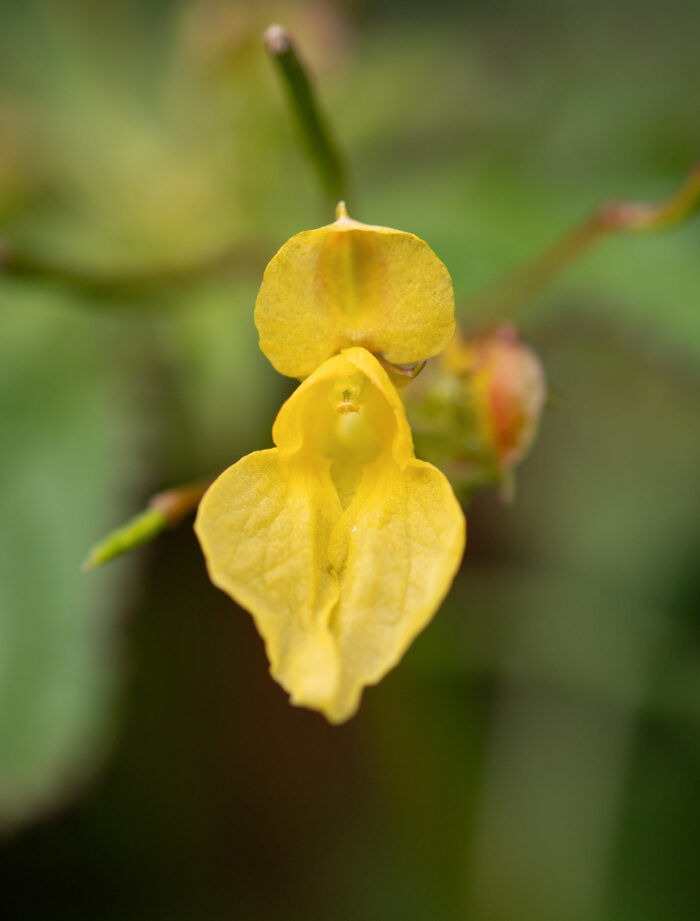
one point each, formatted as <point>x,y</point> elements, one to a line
<point>476,412</point>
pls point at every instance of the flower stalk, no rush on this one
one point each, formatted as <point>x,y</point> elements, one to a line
<point>500,299</point>
<point>165,510</point>
<point>315,131</point>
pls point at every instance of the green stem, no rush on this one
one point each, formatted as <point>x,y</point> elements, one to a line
<point>165,510</point>
<point>315,132</point>
<point>530,278</point>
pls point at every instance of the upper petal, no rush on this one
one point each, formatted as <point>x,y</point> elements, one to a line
<point>353,284</point>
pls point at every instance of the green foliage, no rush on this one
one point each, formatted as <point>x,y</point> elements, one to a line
<point>63,465</point>
<point>536,754</point>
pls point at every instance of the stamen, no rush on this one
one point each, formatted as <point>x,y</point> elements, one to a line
<point>347,404</point>
<point>347,394</point>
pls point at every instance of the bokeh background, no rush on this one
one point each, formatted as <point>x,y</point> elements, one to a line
<point>536,756</point>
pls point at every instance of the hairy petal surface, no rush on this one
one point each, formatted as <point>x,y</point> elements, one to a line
<point>352,284</point>
<point>338,541</point>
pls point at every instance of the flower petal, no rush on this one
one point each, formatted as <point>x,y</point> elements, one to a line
<point>352,284</point>
<point>338,590</point>
<point>264,526</point>
<point>396,549</point>
<point>299,415</point>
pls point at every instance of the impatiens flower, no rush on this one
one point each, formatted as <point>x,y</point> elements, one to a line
<point>338,541</point>
<point>352,284</point>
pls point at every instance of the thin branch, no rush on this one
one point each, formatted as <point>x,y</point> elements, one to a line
<point>16,263</point>
<point>165,510</point>
<point>316,134</point>
<point>613,217</point>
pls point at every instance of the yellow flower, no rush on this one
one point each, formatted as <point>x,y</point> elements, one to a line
<point>351,284</point>
<point>338,541</point>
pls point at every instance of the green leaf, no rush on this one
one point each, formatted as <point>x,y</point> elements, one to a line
<point>64,451</point>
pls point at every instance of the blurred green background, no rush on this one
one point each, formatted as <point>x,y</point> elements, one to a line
<point>536,756</point>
